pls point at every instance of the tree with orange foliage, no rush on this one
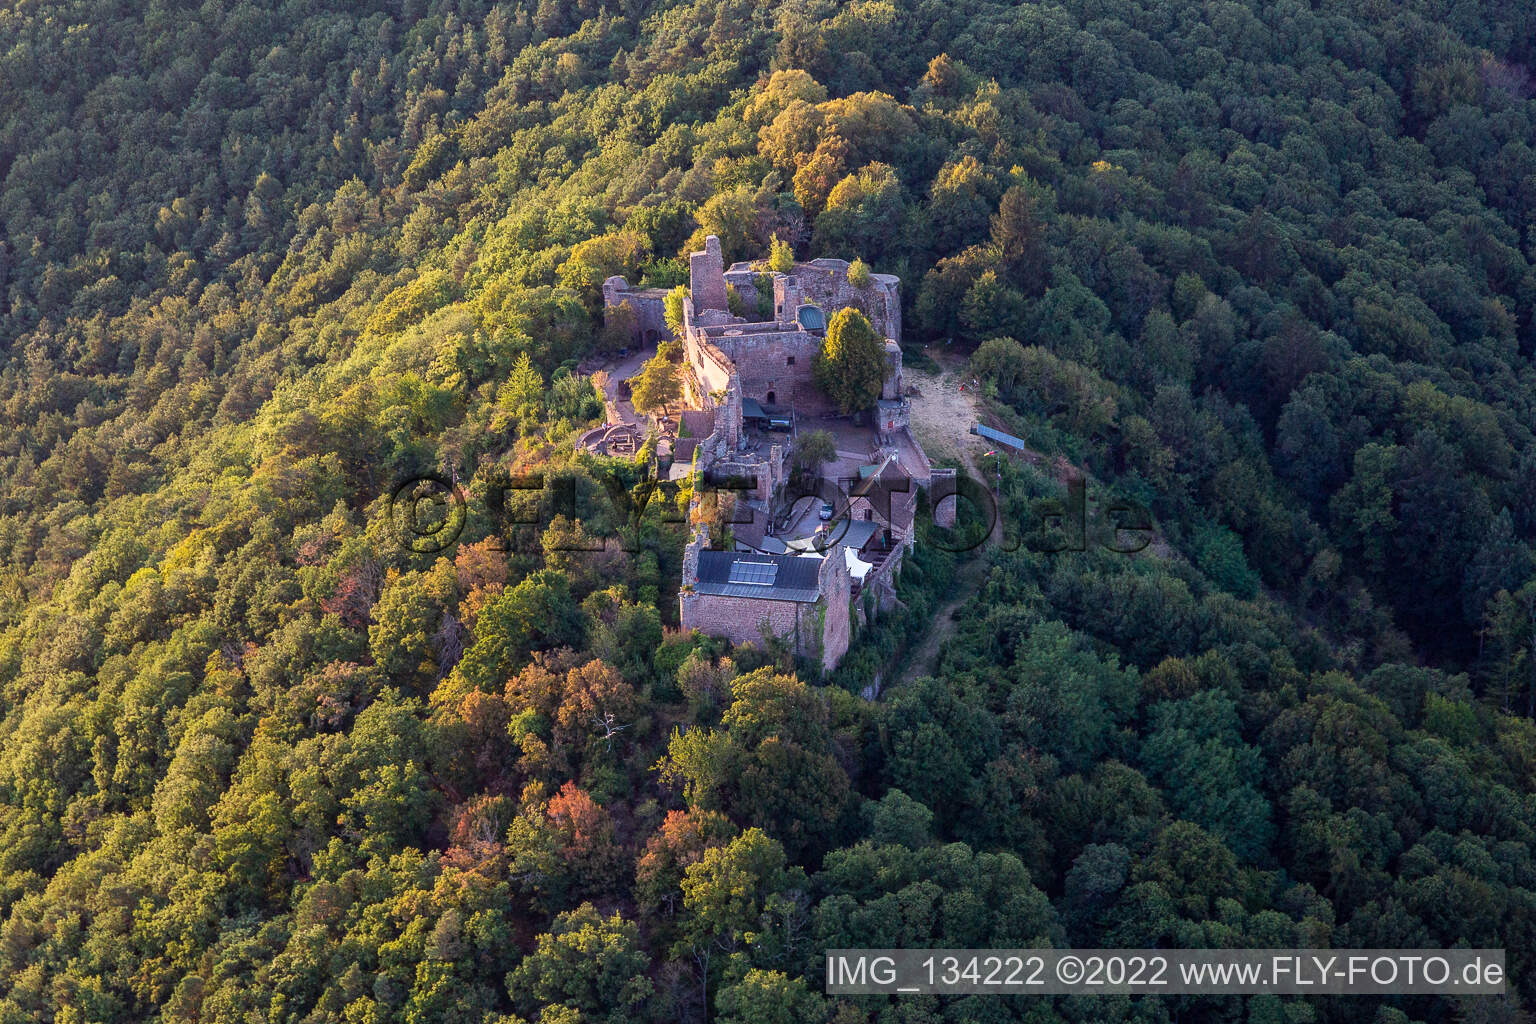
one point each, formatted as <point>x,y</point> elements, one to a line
<point>356,593</point>
<point>474,839</point>
<point>563,848</point>
<point>680,841</point>
<point>596,701</point>
<point>481,571</point>
<point>485,717</point>
<point>568,710</point>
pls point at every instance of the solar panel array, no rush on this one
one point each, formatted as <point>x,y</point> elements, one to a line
<point>760,573</point>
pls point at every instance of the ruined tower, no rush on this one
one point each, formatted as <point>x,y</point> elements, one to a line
<point>706,273</point>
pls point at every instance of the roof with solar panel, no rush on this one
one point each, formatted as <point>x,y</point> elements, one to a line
<point>771,577</point>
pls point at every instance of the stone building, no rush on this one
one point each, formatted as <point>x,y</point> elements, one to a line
<point>748,596</point>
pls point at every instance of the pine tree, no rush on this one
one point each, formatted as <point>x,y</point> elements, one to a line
<point>522,394</point>
<point>1021,240</point>
<point>1501,563</point>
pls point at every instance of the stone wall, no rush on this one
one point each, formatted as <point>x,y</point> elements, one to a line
<point>775,359</point>
<point>744,279</point>
<point>882,583</point>
<point>711,366</point>
<point>729,358</point>
<point>825,282</point>
<point>913,458</point>
<point>892,387</point>
<point>776,366</point>
<point>821,629</point>
<point>740,619</point>
<point>942,498</point>
<point>833,609</point>
<point>891,418</point>
<point>649,306</point>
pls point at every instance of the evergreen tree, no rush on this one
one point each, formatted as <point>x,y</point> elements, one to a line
<point>850,367</point>
<point>523,393</point>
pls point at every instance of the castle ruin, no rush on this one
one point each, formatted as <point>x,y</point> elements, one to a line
<point>750,383</point>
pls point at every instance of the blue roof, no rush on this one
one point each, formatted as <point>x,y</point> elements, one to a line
<point>999,437</point>
<point>811,317</point>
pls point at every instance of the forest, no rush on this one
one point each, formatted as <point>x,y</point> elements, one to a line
<point>1266,269</point>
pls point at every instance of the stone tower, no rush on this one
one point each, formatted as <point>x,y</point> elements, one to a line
<point>706,273</point>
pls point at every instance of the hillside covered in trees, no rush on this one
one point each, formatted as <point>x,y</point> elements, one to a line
<point>1266,268</point>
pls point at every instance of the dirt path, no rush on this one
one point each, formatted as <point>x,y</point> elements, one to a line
<point>612,374</point>
<point>942,414</point>
<point>924,659</point>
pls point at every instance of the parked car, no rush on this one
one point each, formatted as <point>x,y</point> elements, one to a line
<point>825,512</point>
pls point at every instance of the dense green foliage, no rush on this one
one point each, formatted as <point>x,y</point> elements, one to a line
<point>851,363</point>
<point>1266,268</point>
<point>659,383</point>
